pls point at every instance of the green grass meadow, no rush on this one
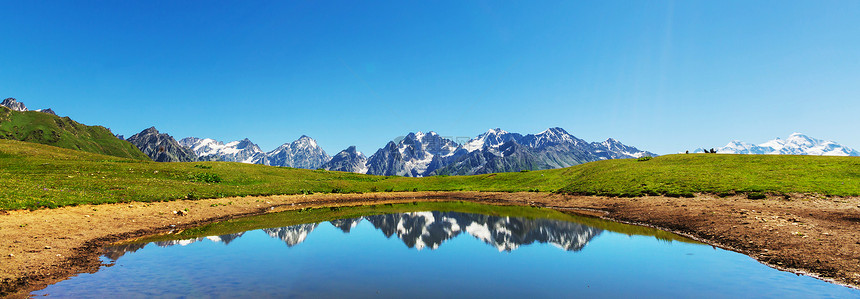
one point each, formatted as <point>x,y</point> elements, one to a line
<point>36,176</point>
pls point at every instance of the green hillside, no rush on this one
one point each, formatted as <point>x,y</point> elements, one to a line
<point>37,127</point>
<point>34,175</point>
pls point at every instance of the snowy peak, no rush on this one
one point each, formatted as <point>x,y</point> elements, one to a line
<point>13,104</point>
<point>493,138</point>
<point>417,154</point>
<point>795,144</point>
<point>740,147</point>
<point>349,160</point>
<point>550,137</point>
<point>614,149</point>
<point>247,144</point>
<point>304,142</point>
<point>243,150</point>
<point>301,153</point>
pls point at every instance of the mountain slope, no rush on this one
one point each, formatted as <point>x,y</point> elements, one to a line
<point>161,147</point>
<point>349,160</point>
<point>45,128</point>
<point>795,144</point>
<point>302,153</point>
<point>416,155</point>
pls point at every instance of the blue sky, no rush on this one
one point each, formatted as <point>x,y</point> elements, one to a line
<point>663,76</point>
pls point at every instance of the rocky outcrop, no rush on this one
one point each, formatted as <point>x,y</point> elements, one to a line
<point>13,104</point>
<point>161,147</point>
<point>302,153</point>
<point>348,160</point>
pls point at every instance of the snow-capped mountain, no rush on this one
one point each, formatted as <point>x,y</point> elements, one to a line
<point>209,149</point>
<point>349,160</point>
<point>551,137</point>
<point>13,104</point>
<point>416,155</point>
<point>302,153</point>
<point>500,151</point>
<point>422,154</point>
<point>492,139</point>
<point>614,149</point>
<point>796,144</point>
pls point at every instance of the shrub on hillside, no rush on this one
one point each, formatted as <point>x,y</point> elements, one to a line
<point>204,177</point>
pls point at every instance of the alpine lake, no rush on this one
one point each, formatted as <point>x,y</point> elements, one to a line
<point>431,250</point>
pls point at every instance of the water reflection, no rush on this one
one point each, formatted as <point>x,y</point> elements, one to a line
<point>421,230</point>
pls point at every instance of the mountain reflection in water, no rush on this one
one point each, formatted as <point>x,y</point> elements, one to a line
<point>427,230</point>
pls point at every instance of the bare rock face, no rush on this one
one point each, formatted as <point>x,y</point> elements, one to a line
<point>496,150</point>
<point>348,160</point>
<point>47,110</point>
<point>161,147</point>
<point>302,153</point>
<point>13,104</point>
<point>416,155</point>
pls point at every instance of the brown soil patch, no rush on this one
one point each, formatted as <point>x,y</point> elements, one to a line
<point>820,237</point>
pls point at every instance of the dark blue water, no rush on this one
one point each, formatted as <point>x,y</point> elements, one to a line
<point>436,255</point>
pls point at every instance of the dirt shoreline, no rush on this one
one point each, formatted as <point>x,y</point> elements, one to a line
<point>804,234</point>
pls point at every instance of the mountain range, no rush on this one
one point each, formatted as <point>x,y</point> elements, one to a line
<point>415,155</point>
<point>795,144</point>
<point>301,153</point>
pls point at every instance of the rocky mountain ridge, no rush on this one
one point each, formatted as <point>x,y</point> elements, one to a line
<point>424,154</point>
<point>301,153</point>
<point>161,147</point>
<point>13,104</point>
<point>420,154</point>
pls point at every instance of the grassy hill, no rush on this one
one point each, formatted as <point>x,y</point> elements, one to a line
<point>34,175</point>
<point>37,127</point>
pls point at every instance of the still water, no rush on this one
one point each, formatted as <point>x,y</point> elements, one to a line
<point>438,255</point>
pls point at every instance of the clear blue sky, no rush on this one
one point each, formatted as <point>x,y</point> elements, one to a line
<point>662,76</point>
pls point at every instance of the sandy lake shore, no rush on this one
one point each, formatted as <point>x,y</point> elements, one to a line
<point>804,234</point>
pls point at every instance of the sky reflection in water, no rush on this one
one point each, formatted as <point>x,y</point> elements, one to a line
<point>445,254</point>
